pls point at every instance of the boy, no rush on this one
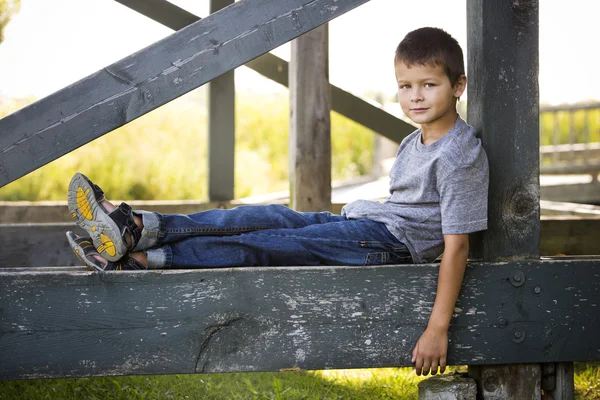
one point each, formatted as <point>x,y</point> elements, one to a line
<point>438,194</point>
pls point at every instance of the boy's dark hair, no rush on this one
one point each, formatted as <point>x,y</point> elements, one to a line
<point>432,46</point>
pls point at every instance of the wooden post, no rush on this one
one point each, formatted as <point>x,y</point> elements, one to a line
<point>310,125</point>
<point>503,55</point>
<point>221,129</point>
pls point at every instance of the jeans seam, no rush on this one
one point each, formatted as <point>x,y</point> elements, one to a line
<point>216,230</point>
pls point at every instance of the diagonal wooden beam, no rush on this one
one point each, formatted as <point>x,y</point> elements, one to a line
<point>72,322</point>
<point>276,69</point>
<point>143,81</point>
<point>162,11</point>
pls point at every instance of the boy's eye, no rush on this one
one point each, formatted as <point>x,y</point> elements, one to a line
<point>405,86</point>
<point>429,84</point>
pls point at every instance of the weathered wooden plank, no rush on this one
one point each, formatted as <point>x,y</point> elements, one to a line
<point>44,245</point>
<point>504,110</point>
<point>78,323</point>
<point>588,193</point>
<point>161,10</point>
<point>496,382</point>
<point>503,55</point>
<point>221,129</point>
<point>569,235</point>
<point>276,69</point>
<point>129,88</point>
<point>310,122</point>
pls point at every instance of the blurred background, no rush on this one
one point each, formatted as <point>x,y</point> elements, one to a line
<point>47,45</point>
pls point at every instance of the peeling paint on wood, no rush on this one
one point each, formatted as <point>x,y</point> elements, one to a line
<point>72,322</point>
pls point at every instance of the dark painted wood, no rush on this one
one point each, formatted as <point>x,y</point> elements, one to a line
<point>276,69</point>
<point>495,382</point>
<point>79,323</point>
<point>37,245</point>
<point>221,129</point>
<point>504,110</point>
<point>127,89</point>
<point>45,245</point>
<point>570,236</point>
<point>503,92</point>
<point>310,122</point>
<point>163,11</point>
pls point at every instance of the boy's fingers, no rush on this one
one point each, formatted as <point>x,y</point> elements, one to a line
<point>442,365</point>
<point>419,366</point>
<point>434,367</point>
<point>426,367</point>
<point>414,353</point>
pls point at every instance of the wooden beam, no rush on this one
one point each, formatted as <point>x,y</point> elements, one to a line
<point>77,323</point>
<point>310,123</point>
<point>588,193</point>
<point>167,13</point>
<point>221,129</point>
<point>369,115</point>
<point>127,89</point>
<point>503,108</point>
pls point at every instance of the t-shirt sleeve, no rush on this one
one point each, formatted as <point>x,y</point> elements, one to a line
<point>463,200</point>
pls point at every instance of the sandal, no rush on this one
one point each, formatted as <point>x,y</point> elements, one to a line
<point>114,234</point>
<point>84,249</point>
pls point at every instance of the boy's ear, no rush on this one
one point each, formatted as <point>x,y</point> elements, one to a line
<point>460,86</point>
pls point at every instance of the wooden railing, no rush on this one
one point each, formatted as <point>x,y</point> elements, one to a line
<point>571,152</point>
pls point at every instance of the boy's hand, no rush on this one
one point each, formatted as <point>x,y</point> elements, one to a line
<point>430,351</point>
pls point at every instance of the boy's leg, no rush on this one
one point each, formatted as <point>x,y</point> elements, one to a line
<point>86,198</point>
<point>347,242</point>
<point>159,229</point>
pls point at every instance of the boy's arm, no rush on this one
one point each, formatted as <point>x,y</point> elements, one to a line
<point>431,349</point>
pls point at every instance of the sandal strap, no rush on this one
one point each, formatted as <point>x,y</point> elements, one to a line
<point>126,263</point>
<point>130,232</point>
<point>98,192</point>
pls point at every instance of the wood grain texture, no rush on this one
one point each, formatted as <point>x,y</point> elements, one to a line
<point>310,122</point>
<point>221,129</point>
<point>502,382</point>
<point>79,323</point>
<point>504,110</point>
<point>503,66</point>
<point>163,71</point>
<point>276,69</point>
<point>162,11</point>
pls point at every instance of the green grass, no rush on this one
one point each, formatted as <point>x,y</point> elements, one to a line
<point>390,383</point>
<point>360,384</point>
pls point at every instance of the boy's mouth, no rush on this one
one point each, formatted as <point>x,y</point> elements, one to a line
<point>419,109</point>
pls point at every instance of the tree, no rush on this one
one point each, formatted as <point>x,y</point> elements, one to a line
<point>8,8</point>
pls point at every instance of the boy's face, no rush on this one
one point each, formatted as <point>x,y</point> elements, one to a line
<point>426,95</point>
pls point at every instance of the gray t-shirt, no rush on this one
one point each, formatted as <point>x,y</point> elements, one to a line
<point>435,189</point>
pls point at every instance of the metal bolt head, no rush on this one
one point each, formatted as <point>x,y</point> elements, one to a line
<point>502,322</point>
<point>519,336</point>
<point>537,290</point>
<point>517,278</point>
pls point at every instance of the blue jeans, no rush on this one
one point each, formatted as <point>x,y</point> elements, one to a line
<point>263,236</point>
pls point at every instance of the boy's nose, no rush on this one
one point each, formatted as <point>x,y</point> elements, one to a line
<point>416,96</point>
